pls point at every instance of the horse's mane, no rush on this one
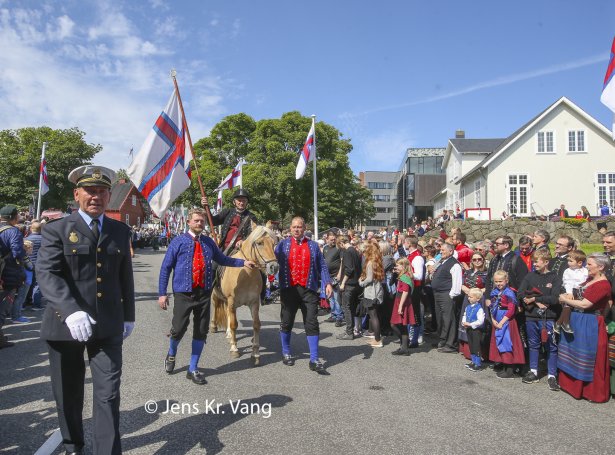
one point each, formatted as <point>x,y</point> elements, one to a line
<point>258,231</point>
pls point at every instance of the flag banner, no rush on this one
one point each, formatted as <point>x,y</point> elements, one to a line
<point>44,189</point>
<point>219,201</point>
<point>307,153</point>
<point>608,89</point>
<point>234,179</point>
<point>161,169</point>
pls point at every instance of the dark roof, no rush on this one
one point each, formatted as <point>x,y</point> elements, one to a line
<point>476,145</point>
<point>119,191</point>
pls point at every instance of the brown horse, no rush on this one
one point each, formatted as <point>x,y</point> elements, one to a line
<point>240,286</point>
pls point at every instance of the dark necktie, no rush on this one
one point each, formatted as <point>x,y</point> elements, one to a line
<point>95,229</point>
<point>298,241</point>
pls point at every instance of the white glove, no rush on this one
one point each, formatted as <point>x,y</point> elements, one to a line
<point>80,325</point>
<point>128,328</point>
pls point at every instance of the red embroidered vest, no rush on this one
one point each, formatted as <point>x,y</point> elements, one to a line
<point>299,263</point>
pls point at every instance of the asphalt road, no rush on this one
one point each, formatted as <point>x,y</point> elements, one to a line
<point>372,402</point>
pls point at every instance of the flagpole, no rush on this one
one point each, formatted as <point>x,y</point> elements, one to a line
<point>315,183</point>
<point>40,183</point>
<point>196,168</point>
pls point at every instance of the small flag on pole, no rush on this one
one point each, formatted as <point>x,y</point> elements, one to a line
<point>219,201</point>
<point>307,153</point>
<point>43,178</point>
<point>608,90</point>
<point>234,178</point>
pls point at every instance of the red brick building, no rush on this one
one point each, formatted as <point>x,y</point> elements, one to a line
<point>127,204</point>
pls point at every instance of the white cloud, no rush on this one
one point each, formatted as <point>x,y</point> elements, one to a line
<point>381,152</point>
<point>105,78</point>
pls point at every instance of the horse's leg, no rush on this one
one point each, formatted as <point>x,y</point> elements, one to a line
<point>232,327</point>
<point>213,327</point>
<point>256,324</point>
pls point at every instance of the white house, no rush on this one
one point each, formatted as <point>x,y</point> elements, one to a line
<point>561,156</point>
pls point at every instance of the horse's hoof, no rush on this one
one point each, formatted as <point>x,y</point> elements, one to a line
<point>235,354</point>
<point>256,360</point>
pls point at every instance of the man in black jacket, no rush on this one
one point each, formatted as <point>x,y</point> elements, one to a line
<point>563,245</point>
<point>13,258</point>
<point>84,270</point>
<point>351,265</point>
<point>506,260</point>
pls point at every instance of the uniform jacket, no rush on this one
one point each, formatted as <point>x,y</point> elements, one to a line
<point>225,217</point>
<point>77,274</point>
<point>318,266</point>
<point>179,258</point>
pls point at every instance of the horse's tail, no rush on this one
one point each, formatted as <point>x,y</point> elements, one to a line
<point>220,304</point>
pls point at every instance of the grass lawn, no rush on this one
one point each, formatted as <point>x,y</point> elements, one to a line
<point>590,248</point>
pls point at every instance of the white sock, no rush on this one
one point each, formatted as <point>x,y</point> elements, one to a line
<point>550,376</point>
<point>535,372</point>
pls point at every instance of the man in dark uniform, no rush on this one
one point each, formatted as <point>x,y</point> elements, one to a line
<point>232,219</point>
<point>84,271</point>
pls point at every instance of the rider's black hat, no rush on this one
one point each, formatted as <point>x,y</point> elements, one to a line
<point>241,193</point>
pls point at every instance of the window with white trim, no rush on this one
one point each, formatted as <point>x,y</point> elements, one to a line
<point>134,200</point>
<point>477,193</point>
<point>462,196</point>
<point>518,194</point>
<point>128,219</point>
<point>546,142</point>
<point>576,141</point>
<point>606,188</point>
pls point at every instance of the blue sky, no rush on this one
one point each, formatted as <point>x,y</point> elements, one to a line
<point>389,75</point>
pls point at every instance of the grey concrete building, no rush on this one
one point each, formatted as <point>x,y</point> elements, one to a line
<point>383,187</point>
<point>420,176</point>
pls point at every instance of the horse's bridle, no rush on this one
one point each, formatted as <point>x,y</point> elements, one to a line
<point>263,264</point>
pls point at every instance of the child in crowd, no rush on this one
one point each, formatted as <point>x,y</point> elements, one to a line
<point>402,308</point>
<point>574,276</point>
<point>474,320</point>
<point>506,347</point>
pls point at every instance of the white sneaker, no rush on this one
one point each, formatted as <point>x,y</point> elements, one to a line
<point>420,341</point>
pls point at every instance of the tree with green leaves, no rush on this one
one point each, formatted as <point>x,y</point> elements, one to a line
<point>271,149</point>
<point>20,157</point>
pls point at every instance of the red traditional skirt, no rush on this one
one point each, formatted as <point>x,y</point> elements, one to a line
<point>517,356</point>
<point>598,390</point>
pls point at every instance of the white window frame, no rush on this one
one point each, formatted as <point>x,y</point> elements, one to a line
<point>545,152</point>
<point>462,197</point>
<point>608,188</point>
<point>134,200</point>
<point>516,210</point>
<point>128,219</point>
<point>576,141</point>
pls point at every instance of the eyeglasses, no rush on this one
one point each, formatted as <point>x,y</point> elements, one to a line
<point>477,259</point>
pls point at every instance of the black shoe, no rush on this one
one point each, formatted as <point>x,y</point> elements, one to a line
<point>469,365</point>
<point>318,367</point>
<point>345,336</point>
<point>339,323</point>
<point>330,319</point>
<point>197,377</point>
<point>530,378</point>
<point>506,373</point>
<point>497,367</point>
<point>401,351</point>
<point>413,346</point>
<point>475,368</point>
<point>567,328</point>
<point>556,327</point>
<point>288,360</point>
<point>553,385</point>
<point>169,364</point>
<point>447,350</point>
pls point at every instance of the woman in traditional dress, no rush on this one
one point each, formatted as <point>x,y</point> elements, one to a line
<point>583,362</point>
<point>403,313</point>
<point>474,277</point>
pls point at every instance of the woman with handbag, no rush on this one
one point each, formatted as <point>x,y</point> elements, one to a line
<point>583,361</point>
<point>373,294</point>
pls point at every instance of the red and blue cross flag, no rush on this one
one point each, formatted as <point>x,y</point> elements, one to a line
<point>307,153</point>
<point>608,89</point>
<point>161,169</point>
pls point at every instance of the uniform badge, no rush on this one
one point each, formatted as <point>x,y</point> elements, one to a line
<point>96,174</point>
<point>73,237</point>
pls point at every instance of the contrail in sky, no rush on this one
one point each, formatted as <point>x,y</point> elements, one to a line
<point>504,80</point>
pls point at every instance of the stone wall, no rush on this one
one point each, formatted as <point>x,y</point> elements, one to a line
<point>480,230</point>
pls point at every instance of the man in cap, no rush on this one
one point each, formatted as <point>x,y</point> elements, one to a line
<point>13,256</point>
<point>235,227</point>
<point>84,271</point>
